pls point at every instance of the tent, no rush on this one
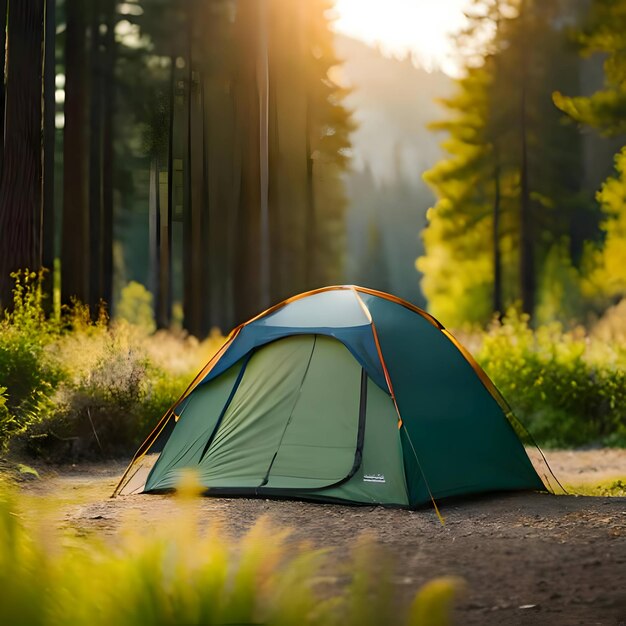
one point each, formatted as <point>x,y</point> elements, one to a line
<point>342,394</point>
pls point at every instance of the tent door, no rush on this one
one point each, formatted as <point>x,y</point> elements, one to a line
<point>333,454</point>
<point>294,422</point>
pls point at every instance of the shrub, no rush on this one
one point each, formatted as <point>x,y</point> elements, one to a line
<point>4,411</point>
<point>111,397</point>
<point>135,306</point>
<point>26,373</point>
<point>75,387</point>
<point>184,575</point>
<point>565,387</point>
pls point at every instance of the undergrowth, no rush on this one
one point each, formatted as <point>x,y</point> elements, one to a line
<point>73,387</point>
<point>185,573</point>
<point>567,387</point>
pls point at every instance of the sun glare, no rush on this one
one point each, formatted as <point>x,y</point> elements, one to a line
<point>423,28</point>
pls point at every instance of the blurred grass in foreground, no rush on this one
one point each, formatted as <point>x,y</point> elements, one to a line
<point>185,574</point>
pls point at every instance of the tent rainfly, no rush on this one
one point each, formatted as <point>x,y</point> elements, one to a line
<point>343,394</point>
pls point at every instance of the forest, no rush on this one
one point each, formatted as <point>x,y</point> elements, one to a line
<point>183,165</point>
<point>133,154</point>
<point>531,190</point>
<point>171,169</point>
<point>154,105</point>
<point>186,164</point>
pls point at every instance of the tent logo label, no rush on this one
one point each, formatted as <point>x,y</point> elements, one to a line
<point>373,478</point>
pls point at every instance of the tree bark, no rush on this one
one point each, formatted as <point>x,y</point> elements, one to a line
<point>311,226</point>
<point>154,236</point>
<point>199,287</point>
<point>95,165</point>
<point>247,278</point>
<point>189,288</point>
<point>75,225</point>
<point>264,164</point>
<point>20,182</point>
<point>108,153</point>
<point>526,251</point>
<point>3,43</point>
<point>205,257</point>
<point>497,255</point>
<point>49,138</point>
<point>164,264</point>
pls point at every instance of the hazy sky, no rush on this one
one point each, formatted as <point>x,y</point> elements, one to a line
<point>422,27</point>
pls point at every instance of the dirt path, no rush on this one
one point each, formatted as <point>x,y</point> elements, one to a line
<point>562,558</point>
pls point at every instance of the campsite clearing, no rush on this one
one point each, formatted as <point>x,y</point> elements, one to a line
<point>562,558</point>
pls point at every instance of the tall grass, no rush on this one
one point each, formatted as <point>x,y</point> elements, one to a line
<point>189,574</point>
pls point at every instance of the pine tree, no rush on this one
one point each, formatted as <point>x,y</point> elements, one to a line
<point>604,33</point>
<point>513,176</point>
<point>605,110</point>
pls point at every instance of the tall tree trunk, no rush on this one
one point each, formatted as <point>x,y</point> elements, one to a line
<point>95,164</point>
<point>154,237</point>
<point>311,226</point>
<point>108,153</point>
<point>526,252</point>
<point>264,165</point>
<point>189,287</point>
<point>20,182</point>
<point>49,137</point>
<point>75,228</point>
<point>199,288</point>
<point>277,260</point>
<point>221,168</point>
<point>247,277</point>
<point>208,318</point>
<point>164,263</point>
<point>3,43</point>
<point>497,255</point>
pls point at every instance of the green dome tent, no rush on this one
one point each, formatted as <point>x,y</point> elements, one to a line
<point>340,394</point>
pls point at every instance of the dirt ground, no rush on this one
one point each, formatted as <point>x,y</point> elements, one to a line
<point>528,558</point>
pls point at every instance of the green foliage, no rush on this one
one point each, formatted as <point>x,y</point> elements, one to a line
<point>610,269</point>
<point>119,381</point>
<point>560,290</point>
<point>188,574</point>
<point>4,411</point>
<point>28,377</point>
<point>135,306</point>
<point>604,33</point>
<point>568,389</point>
<point>511,176</point>
<point>81,388</point>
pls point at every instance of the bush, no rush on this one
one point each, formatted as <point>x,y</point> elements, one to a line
<point>135,306</point>
<point>4,411</point>
<point>185,575</point>
<point>114,392</point>
<point>77,388</point>
<point>566,387</point>
<point>26,373</point>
